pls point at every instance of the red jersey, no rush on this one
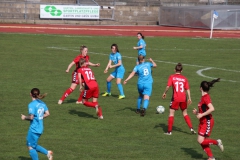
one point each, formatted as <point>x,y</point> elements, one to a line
<point>77,59</point>
<point>88,77</point>
<point>202,107</point>
<point>179,84</point>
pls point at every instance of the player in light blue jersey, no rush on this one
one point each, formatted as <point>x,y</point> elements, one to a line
<point>145,81</point>
<point>115,58</point>
<point>37,111</point>
<point>141,46</point>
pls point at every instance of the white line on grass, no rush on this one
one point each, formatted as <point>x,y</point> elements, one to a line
<point>49,35</point>
<point>176,49</point>
<point>199,72</point>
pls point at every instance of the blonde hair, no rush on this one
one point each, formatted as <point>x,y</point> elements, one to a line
<point>82,48</point>
<point>82,61</point>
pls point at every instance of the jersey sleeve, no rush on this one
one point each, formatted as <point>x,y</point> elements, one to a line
<point>186,86</point>
<point>45,108</point>
<point>142,43</point>
<point>119,57</point>
<point>135,69</point>
<point>150,64</point>
<point>139,43</point>
<point>30,109</point>
<point>169,83</point>
<point>207,100</point>
<point>79,70</point>
<point>76,59</point>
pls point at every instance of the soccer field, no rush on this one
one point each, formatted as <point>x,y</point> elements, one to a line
<point>73,131</point>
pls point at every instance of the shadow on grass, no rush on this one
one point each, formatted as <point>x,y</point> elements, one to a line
<point>115,95</point>
<point>24,158</point>
<point>127,108</point>
<point>194,154</point>
<point>165,128</point>
<point>81,114</point>
<point>112,95</point>
<point>70,101</point>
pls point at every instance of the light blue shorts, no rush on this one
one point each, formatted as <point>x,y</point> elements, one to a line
<point>145,88</point>
<point>143,54</point>
<point>32,139</point>
<point>118,74</point>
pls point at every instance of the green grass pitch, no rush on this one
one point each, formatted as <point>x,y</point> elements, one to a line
<point>73,131</point>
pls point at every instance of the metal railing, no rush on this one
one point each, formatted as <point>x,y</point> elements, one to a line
<point>29,9</point>
<point>167,2</point>
<point>87,2</point>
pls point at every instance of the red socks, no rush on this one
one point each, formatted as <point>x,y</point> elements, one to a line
<point>209,141</point>
<point>90,104</point>
<point>170,123</point>
<point>207,149</point>
<point>66,93</point>
<point>80,97</point>
<point>188,121</point>
<point>205,145</point>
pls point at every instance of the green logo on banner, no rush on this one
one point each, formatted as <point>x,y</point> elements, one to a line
<point>53,10</point>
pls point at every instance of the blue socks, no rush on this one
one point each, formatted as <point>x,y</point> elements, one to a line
<point>139,102</point>
<point>33,154</point>
<point>109,87</point>
<point>41,150</point>
<point>145,103</point>
<point>120,88</point>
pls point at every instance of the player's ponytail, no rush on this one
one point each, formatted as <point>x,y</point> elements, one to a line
<point>35,92</point>
<point>207,85</point>
<point>179,67</point>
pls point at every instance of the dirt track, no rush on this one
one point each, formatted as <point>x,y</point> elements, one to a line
<point>117,30</point>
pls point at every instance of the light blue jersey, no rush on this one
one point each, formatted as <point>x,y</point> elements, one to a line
<point>145,79</point>
<point>37,108</point>
<point>120,70</point>
<point>144,72</point>
<point>142,51</point>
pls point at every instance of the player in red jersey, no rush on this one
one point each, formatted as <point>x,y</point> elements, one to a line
<point>204,114</point>
<point>179,85</point>
<point>91,89</point>
<point>75,80</point>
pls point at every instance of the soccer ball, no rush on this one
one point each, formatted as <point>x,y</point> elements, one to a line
<point>160,109</point>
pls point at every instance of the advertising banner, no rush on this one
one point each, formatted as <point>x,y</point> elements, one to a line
<point>69,12</point>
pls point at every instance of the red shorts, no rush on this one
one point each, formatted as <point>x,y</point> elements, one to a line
<point>75,77</point>
<point>205,128</point>
<point>89,93</point>
<point>175,105</point>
